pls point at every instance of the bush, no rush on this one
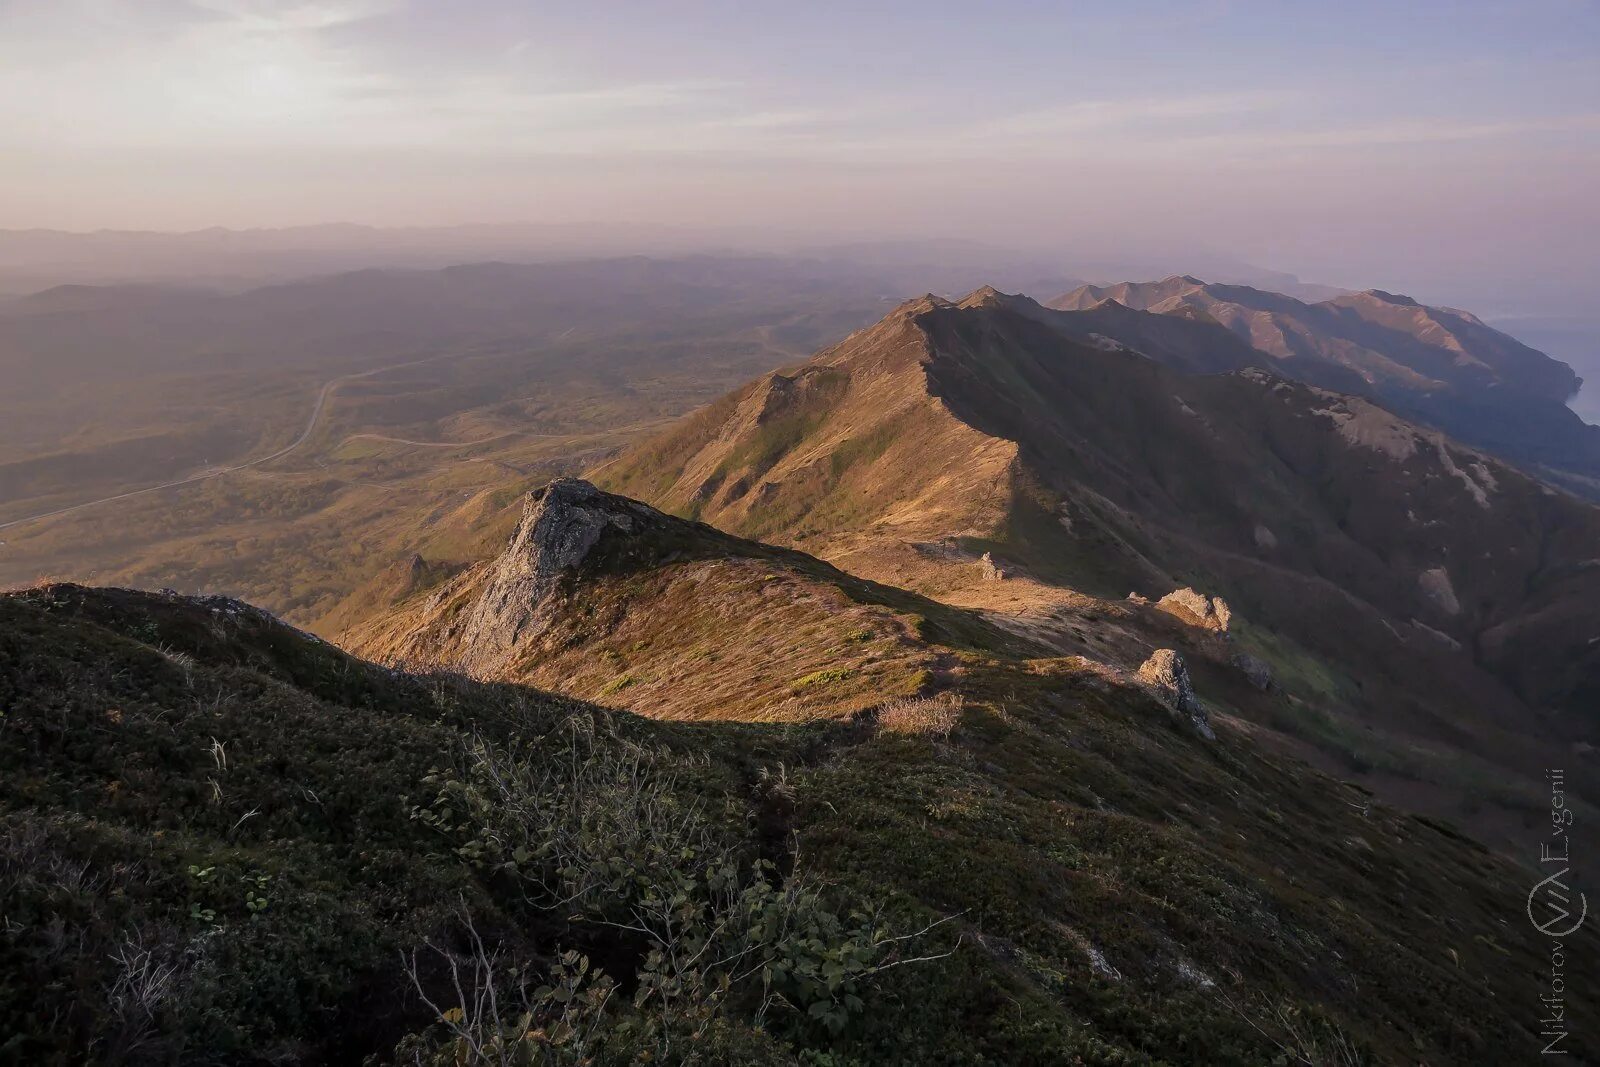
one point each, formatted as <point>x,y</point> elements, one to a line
<point>600,831</point>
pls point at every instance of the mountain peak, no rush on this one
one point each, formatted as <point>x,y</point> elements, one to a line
<point>982,295</point>
<point>922,304</point>
<point>563,519</point>
<point>1388,298</point>
<point>1141,296</point>
<point>989,297</point>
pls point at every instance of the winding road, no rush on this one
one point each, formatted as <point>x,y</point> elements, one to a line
<point>206,475</point>
<point>305,435</point>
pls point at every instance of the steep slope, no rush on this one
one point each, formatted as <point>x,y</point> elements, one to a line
<point>1039,866</point>
<point>1403,562</point>
<point>1440,365</point>
<point>851,442</point>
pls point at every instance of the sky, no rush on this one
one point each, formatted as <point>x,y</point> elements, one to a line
<point>1354,143</point>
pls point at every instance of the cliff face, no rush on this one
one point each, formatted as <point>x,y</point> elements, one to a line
<point>487,618</point>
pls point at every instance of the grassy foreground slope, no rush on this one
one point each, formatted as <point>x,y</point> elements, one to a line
<point>221,839</point>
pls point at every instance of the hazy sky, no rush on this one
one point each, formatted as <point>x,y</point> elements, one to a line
<point>1342,140</point>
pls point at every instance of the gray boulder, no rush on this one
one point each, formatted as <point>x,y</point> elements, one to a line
<point>1166,677</point>
<point>1254,669</point>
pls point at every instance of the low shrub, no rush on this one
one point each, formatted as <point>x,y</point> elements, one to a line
<point>604,835</point>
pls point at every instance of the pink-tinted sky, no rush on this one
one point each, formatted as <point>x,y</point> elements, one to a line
<point>1351,142</point>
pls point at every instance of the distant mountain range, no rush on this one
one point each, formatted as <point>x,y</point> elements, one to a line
<point>236,260</point>
<point>1437,365</point>
<point>1383,339</point>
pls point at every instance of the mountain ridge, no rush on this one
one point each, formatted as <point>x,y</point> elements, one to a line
<point>1514,365</point>
<point>604,598</point>
<point>954,430</point>
<point>1436,365</point>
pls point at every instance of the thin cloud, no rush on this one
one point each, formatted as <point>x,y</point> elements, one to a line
<point>1084,116</point>
<point>775,120</point>
<point>1395,132</point>
<point>276,17</point>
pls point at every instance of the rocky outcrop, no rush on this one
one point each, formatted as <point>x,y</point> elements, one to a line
<point>1166,677</point>
<point>1254,669</point>
<point>561,525</point>
<point>1197,609</point>
<point>1438,590</point>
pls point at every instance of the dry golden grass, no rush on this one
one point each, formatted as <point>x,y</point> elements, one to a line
<point>730,639</point>
<point>721,638</point>
<point>934,716</point>
<point>852,444</point>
